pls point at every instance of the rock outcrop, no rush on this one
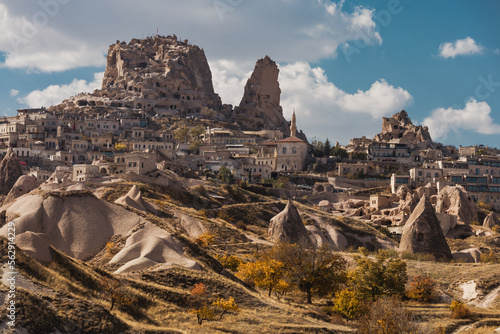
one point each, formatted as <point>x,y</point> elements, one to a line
<point>23,185</point>
<point>491,220</point>
<point>454,200</point>
<point>76,223</point>
<point>260,106</point>
<point>10,171</point>
<point>287,226</point>
<point>158,75</point>
<point>399,129</point>
<point>422,233</point>
<point>134,200</point>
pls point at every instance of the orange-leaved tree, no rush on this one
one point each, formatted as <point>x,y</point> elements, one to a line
<point>208,308</point>
<point>115,291</point>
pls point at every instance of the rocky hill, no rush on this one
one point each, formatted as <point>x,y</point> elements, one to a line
<point>399,129</point>
<point>156,75</point>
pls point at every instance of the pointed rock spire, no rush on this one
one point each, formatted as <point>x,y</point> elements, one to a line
<point>491,221</point>
<point>422,233</point>
<point>287,226</point>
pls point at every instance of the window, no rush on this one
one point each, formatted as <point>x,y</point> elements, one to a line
<point>294,150</point>
<point>284,150</point>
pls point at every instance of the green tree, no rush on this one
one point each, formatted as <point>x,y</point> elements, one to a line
<point>359,156</point>
<point>316,272</point>
<point>197,131</point>
<point>317,148</point>
<point>339,152</point>
<point>327,147</point>
<point>225,175</point>
<point>194,146</point>
<point>383,276</point>
<point>182,134</point>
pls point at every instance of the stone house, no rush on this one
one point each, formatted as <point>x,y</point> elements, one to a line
<point>345,169</point>
<point>140,163</point>
<point>84,172</point>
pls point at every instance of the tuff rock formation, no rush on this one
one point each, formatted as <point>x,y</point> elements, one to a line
<point>400,129</point>
<point>422,233</point>
<point>287,226</point>
<point>157,75</point>
<point>10,171</point>
<point>23,185</point>
<point>454,200</point>
<point>260,106</point>
<point>134,200</point>
<point>491,221</point>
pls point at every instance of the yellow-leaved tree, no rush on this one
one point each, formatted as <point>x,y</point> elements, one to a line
<point>208,308</point>
<point>266,274</point>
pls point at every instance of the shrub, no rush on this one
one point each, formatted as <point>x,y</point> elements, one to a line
<point>111,248</point>
<point>241,225</point>
<point>496,228</point>
<point>229,261</point>
<point>349,304</point>
<point>489,258</point>
<point>224,216</point>
<point>422,289</point>
<point>459,310</point>
<point>114,290</point>
<point>208,309</point>
<point>205,240</point>
<point>388,316</point>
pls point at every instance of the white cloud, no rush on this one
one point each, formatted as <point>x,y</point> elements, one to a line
<point>73,34</point>
<point>13,93</point>
<point>475,116</point>
<point>461,47</point>
<point>323,110</point>
<point>229,79</point>
<point>55,94</point>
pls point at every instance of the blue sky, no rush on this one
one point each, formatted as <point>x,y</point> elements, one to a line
<point>343,65</point>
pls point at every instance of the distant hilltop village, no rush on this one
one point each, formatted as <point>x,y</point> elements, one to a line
<point>157,110</point>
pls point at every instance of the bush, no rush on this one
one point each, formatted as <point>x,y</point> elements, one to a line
<point>489,258</point>
<point>241,225</point>
<point>459,310</point>
<point>111,248</point>
<point>349,304</point>
<point>205,240</point>
<point>422,289</point>
<point>387,315</point>
<point>496,228</point>
<point>229,261</point>
<point>208,309</point>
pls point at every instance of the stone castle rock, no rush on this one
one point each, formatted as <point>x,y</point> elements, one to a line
<point>400,130</point>
<point>422,233</point>
<point>158,75</point>
<point>260,106</point>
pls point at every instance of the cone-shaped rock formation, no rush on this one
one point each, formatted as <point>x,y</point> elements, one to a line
<point>422,233</point>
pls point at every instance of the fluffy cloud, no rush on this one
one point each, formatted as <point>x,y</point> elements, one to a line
<point>323,110</point>
<point>229,79</point>
<point>55,94</point>
<point>475,116</point>
<point>461,47</point>
<point>13,93</point>
<point>56,35</point>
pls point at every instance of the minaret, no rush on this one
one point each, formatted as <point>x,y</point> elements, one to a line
<point>293,126</point>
